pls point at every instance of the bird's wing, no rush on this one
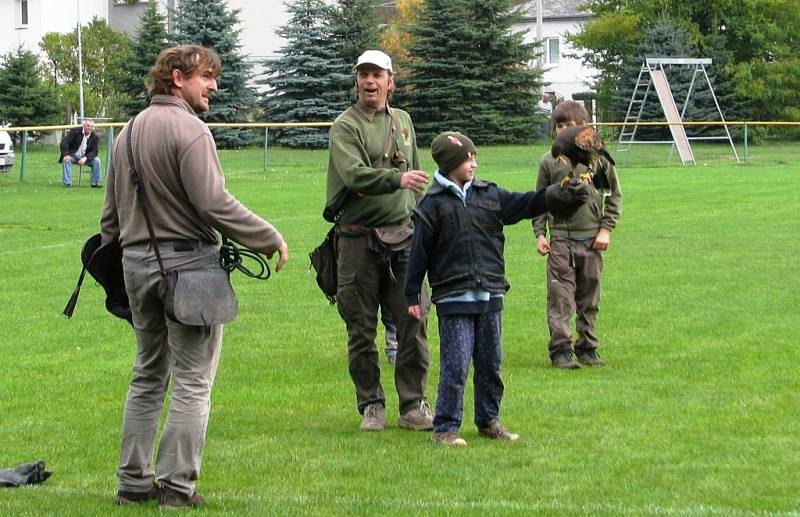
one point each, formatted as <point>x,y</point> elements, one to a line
<point>604,152</point>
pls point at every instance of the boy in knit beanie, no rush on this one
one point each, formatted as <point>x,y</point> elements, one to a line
<point>458,240</point>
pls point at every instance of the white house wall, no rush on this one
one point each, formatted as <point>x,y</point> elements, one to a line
<point>569,75</point>
<point>43,16</point>
<point>260,20</point>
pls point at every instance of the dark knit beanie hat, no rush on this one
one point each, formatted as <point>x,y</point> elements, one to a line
<point>450,149</point>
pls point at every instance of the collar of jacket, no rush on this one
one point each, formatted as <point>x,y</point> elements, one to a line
<point>369,113</point>
<point>171,100</point>
<point>437,188</point>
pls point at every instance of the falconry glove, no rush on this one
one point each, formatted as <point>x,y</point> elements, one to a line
<point>562,202</point>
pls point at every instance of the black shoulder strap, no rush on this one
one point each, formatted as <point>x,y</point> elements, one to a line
<point>137,181</point>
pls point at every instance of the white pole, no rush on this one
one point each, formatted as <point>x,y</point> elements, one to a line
<point>80,62</point>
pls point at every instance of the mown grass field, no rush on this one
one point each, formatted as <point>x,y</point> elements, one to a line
<point>696,413</point>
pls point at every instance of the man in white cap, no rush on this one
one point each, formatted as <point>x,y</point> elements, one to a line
<point>373,184</point>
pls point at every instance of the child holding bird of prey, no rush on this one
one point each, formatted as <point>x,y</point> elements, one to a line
<point>458,240</point>
<point>575,250</point>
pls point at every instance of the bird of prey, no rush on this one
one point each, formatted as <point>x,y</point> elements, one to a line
<point>581,144</point>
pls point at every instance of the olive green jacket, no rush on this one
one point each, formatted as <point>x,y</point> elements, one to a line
<point>602,211</point>
<point>370,190</point>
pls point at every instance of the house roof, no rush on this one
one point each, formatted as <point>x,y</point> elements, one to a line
<point>555,9</point>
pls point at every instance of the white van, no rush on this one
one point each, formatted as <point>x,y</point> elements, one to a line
<point>7,157</point>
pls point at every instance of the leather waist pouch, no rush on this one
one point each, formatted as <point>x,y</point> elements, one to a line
<point>202,297</point>
<point>395,237</point>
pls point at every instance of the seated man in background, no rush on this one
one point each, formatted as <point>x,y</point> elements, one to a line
<point>79,146</point>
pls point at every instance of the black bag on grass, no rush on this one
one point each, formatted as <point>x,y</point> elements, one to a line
<point>26,474</point>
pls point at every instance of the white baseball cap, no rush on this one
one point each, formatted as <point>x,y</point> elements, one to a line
<point>375,57</point>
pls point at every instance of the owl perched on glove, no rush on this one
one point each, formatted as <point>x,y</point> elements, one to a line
<point>581,144</point>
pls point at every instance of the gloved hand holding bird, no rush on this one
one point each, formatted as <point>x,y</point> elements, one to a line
<point>582,145</point>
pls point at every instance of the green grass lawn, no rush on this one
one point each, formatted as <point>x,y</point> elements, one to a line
<point>696,412</point>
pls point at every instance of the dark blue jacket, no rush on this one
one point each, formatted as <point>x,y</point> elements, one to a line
<point>460,244</point>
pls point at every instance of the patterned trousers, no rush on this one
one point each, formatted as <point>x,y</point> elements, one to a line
<point>463,337</point>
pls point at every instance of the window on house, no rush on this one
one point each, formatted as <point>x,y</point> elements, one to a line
<point>23,13</point>
<point>553,51</point>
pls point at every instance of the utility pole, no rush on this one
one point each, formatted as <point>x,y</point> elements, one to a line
<point>80,63</point>
<point>540,31</point>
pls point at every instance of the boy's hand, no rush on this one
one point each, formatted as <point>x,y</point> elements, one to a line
<point>602,239</point>
<point>542,245</point>
<point>416,311</point>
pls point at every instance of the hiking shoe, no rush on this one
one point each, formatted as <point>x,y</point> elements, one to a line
<point>419,419</point>
<point>449,438</point>
<point>565,361</point>
<point>374,418</point>
<point>172,499</point>
<point>128,498</point>
<point>496,431</point>
<point>590,358</point>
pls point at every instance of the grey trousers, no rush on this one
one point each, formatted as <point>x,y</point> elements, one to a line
<point>573,289</point>
<point>166,349</point>
<point>363,283</point>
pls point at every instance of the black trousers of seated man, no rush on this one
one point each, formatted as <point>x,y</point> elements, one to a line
<point>364,281</point>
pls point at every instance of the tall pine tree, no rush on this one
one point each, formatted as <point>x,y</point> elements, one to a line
<point>355,28</point>
<point>212,24</point>
<point>25,100</point>
<point>308,82</point>
<point>151,38</point>
<point>469,72</point>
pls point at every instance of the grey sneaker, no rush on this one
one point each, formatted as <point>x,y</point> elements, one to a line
<point>419,419</point>
<point>449,438</point>
<point>374,418</point>
<point>590,358</point>
<point>496,431</point>
<point>565,361</point>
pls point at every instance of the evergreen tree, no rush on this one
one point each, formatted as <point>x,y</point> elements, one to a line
<point>355,27</point>
<point>469,72</point>
<point>151,38</point>
<point>510,85</point>
<point>309,81</point>
<point>212,24</point>
<point>25,100</point>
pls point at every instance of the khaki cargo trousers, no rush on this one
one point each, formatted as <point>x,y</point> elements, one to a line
<point>166,349</point>
<point>364,281</point>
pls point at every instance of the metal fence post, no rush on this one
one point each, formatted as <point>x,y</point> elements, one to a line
<point>109,143</point>
<point>24,154</point>
<point>745,142</point>
<point>266,145</point>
